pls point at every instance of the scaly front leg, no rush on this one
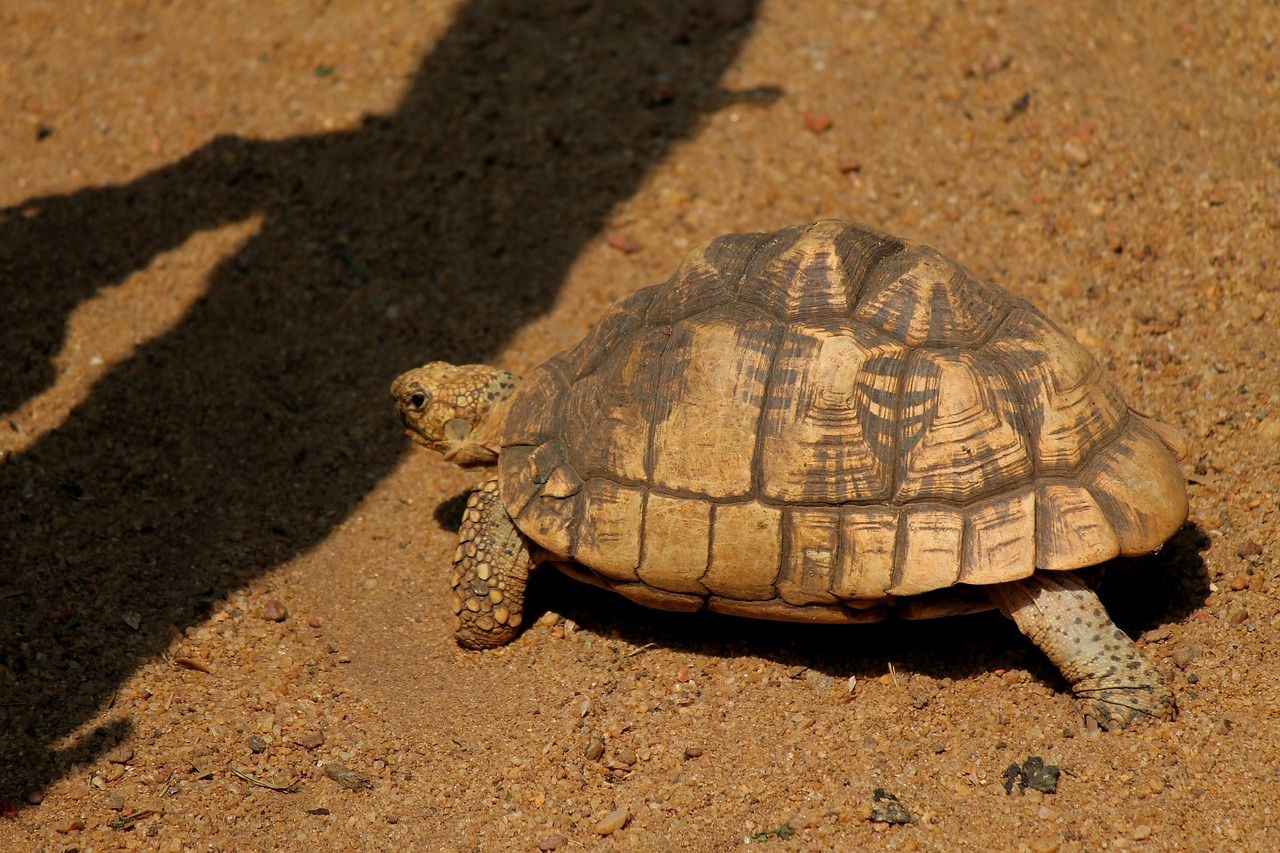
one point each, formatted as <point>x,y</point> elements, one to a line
<point>490,570</point>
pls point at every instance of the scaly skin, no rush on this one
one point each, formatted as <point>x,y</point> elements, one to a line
<point>454,410</point>
<point>490,570</point>
<point>1114,683</point>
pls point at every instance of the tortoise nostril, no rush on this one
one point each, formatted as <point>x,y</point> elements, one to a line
<point>418,400</point>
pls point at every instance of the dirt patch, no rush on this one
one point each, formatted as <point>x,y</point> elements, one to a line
<point>223,576</point>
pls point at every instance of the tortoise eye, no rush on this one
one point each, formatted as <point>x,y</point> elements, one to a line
<point>418,400</point>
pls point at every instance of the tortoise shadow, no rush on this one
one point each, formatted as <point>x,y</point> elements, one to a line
<point>1141,594</point>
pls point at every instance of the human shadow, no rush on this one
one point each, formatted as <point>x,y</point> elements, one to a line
<point>244,434</point>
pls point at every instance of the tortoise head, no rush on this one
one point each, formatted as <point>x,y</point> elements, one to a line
<point>455,409</point>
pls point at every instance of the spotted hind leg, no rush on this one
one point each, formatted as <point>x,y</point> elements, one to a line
<point>1113,682</point>
<point>490,570</point>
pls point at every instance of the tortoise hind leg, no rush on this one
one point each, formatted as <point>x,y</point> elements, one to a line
<point>1113,682</point>
<point>490,570</point>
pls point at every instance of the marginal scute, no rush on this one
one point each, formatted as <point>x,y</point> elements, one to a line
<point>929,550</point>
<point>827,432</point>
<point>515,478</point>
<point>609,541</point>
<point>713,375</point>
<point>551,522</point>
<point>811,555</point>
<point>1140,487</point>
<point>1072,531</point>
<point>868,552</point>
<point>960,430</point>
<point>1000,539</point>
<point>677,535</point>
<point>746,548</point>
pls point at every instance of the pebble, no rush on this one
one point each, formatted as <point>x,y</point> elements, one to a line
<point>1249,549</point>
<point>817,122</point>
<point>1238,616</point>
<point>1185,653</point>
<point>849,166</point>
<point>1076,153</point>
<point>613,821</point>
<point>313,621</point>
<point>624,244</point>
<point>1044,844</point>
<point>257,745</point>
<point>310,740</point>
<point>275,611</point>
<point>1140,832</point>
<point>1240,582</point>
<point>73,824</point>
<point>35,797</point>
<point>693,752</point>
<point>552,842</point>
<point>347,778</point>
<point>595,749</point>
<point>122,754</point>
<point>626,755</point>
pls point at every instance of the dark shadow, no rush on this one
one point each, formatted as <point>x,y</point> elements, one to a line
<point>243,435</point>
<point>1141,594</point>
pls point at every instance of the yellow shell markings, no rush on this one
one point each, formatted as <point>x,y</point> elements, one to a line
<point>912,427</point>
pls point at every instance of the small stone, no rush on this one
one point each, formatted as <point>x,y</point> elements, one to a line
<point>73,824</point>
<point>36,797</point>
<point>347,778</point>
<point>552,842</point>
<point>257,745</point>
<point>1048,813</point>
<point>887,808</point>
<point>626,755</point>
<point>1140,832</point>
<point>113,773</point>
<point>1185,653</point>
<point>1045,844</point>
<point>693,752</point>
<point>1238,616</point>
<point>624,244</point>
<point>122,754</point>
<point>817,122</point>
<point>849,166</point>
<point>1240,582</point>
<point>393,819</point>
<point>1076,153</point>
<point>313,621</point>
<point>275,611</point>
<point>1249,549</point>
<point>595,749</point>
<point>612,822</point>
<point>310,740</point>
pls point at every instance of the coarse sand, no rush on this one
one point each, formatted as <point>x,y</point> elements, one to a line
<point>226,226</point>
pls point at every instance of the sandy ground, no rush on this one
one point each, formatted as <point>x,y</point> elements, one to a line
<point>224,227</point>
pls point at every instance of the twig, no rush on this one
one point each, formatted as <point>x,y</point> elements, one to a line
<point>286,789</point>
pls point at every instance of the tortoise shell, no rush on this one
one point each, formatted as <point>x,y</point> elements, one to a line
<point>814,423</point>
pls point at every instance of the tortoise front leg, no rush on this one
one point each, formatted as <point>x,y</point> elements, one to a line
<point>1113,682</point>
<point>490,570</point>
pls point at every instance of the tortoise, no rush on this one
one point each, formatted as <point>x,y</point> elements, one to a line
<point>822,424</point>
